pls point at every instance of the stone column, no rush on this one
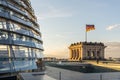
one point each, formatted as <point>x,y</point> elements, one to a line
<point>74,54</point>
<point>70,54</point>
<point>78,54</point>
<point>81,52</point>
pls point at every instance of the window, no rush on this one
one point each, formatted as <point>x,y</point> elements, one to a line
<point>29,52</point>
<point>93,53</point>
<point>4,63</point>
<point>12,27</point>
<point>88,53</point>
<point>3,51</point>
<point>11,12</point>
<point>23,38</point>
<point>1,9</point>
<point>3,35</point>
<point>34,52</point>
<point>39,53</point>
<point>19,37</point>
<point>3,24</point>
<point>16,27</point>
<point>98,53</point>
<point>19,28</point>
<point>27,38</point>
<point>20,51</point>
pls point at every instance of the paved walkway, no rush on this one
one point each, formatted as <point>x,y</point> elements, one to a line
<point>72,75</point>
<point>108,65</point>
<point>34,76</point>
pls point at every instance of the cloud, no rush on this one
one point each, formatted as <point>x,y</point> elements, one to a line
<point>59,51</point>
<point>113,45</point>
<point>112,49</point>
<point>52,12</point>
<point>113,27</point>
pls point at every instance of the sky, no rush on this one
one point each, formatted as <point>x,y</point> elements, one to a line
<point>62,22</point>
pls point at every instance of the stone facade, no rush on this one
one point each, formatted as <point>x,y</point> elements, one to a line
<point>86,51</point>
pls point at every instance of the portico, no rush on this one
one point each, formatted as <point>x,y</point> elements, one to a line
<point>86,50</point>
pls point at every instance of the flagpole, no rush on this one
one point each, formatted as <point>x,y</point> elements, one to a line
<point>86,33</point>
<point>85,36</point>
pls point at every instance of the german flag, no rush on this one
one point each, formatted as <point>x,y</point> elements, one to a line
<point>90,27</point>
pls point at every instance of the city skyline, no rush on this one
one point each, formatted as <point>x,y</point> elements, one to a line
<point>63,23</point>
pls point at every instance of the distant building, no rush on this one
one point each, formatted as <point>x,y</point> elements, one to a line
<point>49,59</point>
<point>54,59</point>
<point>86,51</point>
